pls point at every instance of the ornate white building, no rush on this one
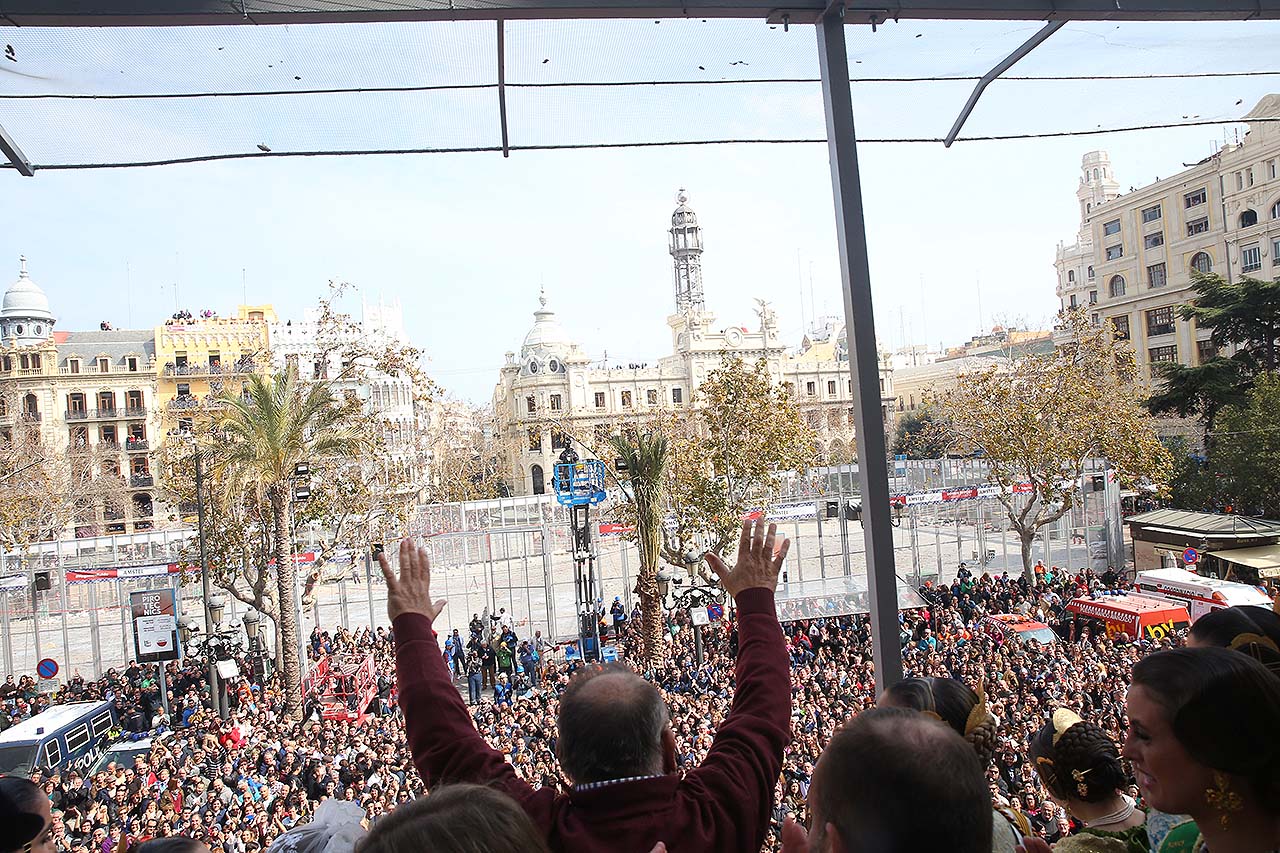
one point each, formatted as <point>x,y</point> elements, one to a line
<point>551,386</point>
<point>390,397</point>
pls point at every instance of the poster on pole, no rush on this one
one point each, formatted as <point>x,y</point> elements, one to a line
<point>155,625</point>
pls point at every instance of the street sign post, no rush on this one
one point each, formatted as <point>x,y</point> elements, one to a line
<point>1191,556</point>
<point>47,668</point>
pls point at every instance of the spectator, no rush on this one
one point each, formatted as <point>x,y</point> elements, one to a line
<point>456,819</point>
<point>615,743</point>
<point>25,818</point>
<point>1080,767</point>
<point>172,844</point>
<point>474,678</point>
<point>1202,743</point>
<point>895,781</point>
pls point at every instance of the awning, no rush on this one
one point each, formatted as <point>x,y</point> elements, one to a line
<point>1265,559</point>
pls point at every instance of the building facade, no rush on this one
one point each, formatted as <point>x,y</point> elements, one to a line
<point>93,391</point>
<point>1134,256</point>
<point>551,389</point>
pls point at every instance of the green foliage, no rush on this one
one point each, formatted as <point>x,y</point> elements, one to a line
<point>1193,485</point>
<point>1246,450</point>
<point>1244,313</point>
<point>645,457</point>
<point>919,436</point>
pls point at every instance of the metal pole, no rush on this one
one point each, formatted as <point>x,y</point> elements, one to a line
<point>697,644</point>
<point>35,619</point>
<point>368,583</point>
<point>66,637</point>
<point>820,507</point>
<point>8,634</point>
<point>209,628</point>
<point>94,640</point>
<point>864,359</point>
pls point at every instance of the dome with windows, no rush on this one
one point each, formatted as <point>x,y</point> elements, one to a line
<point>547,345</point>
<point>683,216</point>
<point>25,318</point>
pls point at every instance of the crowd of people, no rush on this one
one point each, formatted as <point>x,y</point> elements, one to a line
<point>737,752</point>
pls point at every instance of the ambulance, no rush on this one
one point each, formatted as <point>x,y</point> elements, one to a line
<point>1199,594</point>
<point>1130,616</point>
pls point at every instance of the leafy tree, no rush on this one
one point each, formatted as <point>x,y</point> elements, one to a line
<point>1246,452</point>
<point>1039,420</point>
<point>466,455</point>
<point>263,435</point>
<point>645,458</point>
<point>1193,485</point>
<point>919,436</point>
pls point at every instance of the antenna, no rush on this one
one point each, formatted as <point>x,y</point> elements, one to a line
<point>813,311</point>
<point>804,330</point>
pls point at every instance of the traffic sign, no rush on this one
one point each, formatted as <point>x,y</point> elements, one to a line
<point>47,668</point>
<point>1191,556</point>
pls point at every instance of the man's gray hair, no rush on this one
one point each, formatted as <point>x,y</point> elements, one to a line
<point>610,725</point>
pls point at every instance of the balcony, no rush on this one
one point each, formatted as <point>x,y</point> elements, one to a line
<point>29,417</point>
<point>108,446</point>
<point>133,444</point>
<point>77,414</point>
<point>141,481</point>
<point>215,368</point>
<point>135,412</point>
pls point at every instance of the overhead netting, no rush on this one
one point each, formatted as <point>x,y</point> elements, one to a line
<point>110,97</point>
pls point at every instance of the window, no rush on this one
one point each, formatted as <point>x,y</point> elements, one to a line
<point>1248,218</point>
<point>651,396</point>
<point>1073,300</point>
<point>52,753</point>
<point>1090,273</point>
<point>626,399</point>
<point>1156,276</point>
<point>1275,252</point>
<point>1116,286</point>
<point>535,439</point>
<point>104,365</point>
<point>677,396</point>
<point>1151,214</point>
<point>1093,318</point>
<point>1194,199</point>
<point>73,365</point>
<point>1206,351</point>
<point>1112,227</point>
<point>1114,252</point>
<point>1071,276</point>
<point>555,402</point>
<point>599,399</point>
<point>1239,180</point>
<point>831,387</point>
<point>1271,170</point>
<point>1160,321</point>
<point>132,363</point>
<point>1157,355</point>
<point>1197,226</point>
<point>1251,258</point>
<point>179,359</point>
<point>811,388</point>
<point>1275,210</point>
<point>531,404</point>
<point>184,389</point>
<point>1122,326</point>
<point>77,738</point>
<point>1201,263</point>
<point>554,365</point>
<point>1248,176</point>
<point>1151,241</point>
<point>101,724</point>
<point>557,440</point>
<point>1093,297</point>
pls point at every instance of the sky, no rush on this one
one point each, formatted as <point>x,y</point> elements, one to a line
<point>959,238</point>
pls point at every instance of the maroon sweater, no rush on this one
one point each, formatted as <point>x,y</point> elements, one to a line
<point>723,805</point>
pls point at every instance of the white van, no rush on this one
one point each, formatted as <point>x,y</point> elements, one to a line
<point>1199,594</point>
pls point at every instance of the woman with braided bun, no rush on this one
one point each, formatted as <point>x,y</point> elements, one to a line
<point>965,711</point>
<point>1079,765</point>
<point>1249,629</point>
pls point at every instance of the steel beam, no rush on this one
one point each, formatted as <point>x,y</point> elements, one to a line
<point>502,88</point>
<point>131,13</point>
<point>1004,65</point>
<point>864,354</point>
<point>19,160</point>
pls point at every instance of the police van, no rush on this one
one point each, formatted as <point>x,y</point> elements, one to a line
<point>65,737</point>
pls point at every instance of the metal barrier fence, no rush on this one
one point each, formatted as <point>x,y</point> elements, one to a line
<point>515,554</point>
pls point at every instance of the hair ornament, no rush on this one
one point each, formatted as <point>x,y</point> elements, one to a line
<point>1063,719</point>
<point>979,714</point>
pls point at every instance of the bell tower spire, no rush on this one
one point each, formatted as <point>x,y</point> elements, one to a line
<point>686,254</point>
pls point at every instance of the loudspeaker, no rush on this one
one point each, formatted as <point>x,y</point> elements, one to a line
<point>42,581</point>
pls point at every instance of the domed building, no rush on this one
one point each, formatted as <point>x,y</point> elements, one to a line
<point>89,392</point>
<point>551,388</point>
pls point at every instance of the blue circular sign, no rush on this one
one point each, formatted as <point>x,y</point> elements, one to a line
<point>47,668</point>
<point>1191,556</point>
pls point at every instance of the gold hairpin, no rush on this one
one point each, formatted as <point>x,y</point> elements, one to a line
<point>1081,787</point>
<point>1063,719</point>
<point>1241,640</point>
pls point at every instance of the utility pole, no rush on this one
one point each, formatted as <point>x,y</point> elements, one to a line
<point>210,629</point>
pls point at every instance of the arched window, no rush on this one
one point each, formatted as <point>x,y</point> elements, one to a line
<point>1090,273</point>
<point>1071,275</point>
<point>1248,218</point>
<point>1095,174</point>
<point>1202,263</point>
<point>1275,210</point>
<point>1116,286</point>
<point>539,486</point>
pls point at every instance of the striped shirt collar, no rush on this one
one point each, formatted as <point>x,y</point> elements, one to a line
<point>591,786</point>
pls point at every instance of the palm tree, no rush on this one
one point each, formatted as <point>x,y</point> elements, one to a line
<point>645,458</point>
<point>264,433</point>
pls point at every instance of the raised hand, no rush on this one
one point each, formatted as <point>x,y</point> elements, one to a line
<point>411,592</point>
<point>756,566</point>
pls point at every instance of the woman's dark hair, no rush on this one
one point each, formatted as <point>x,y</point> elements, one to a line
<point>1083,765</point>
<point>456,819</point>
<point>170,844</point>
<point>953,701</point>
<point>20,819</point>
<point>1222,707</point>
<point>1231,627</point>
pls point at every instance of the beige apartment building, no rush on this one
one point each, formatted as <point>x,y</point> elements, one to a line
<point>1134,255</point>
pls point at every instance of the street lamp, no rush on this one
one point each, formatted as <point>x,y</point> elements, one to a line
<point>217,644</point>
<point>675,596</point>
<point>252,630</point>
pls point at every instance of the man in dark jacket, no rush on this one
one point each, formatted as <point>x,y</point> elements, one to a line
<point>615,740</point>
